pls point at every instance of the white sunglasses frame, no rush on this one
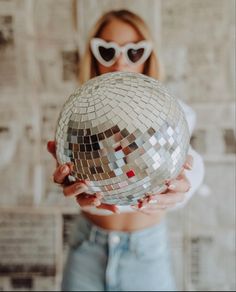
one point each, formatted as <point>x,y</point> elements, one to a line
<point>96,42</point>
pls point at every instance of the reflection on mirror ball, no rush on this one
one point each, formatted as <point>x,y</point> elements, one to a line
<point>125,134</point>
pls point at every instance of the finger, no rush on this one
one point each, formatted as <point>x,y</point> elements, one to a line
<point>149,210</point>
<point>188,162</point>
<point>112,208</point>
<point>142,202</point>
<point>85,200</point>
<point>61,173</point>
<point>166,199</point>
<point>75,189</point>
<point>51,146</point>
<point>158,205</point>
<point>179,185</point>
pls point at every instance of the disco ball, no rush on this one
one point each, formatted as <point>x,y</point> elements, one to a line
<point>125,134</point>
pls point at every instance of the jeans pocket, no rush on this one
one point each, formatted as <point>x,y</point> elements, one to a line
<point>79,233</point>
<point>77,239</point>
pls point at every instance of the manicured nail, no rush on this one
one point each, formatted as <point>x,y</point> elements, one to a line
<point>140,204</point>
<point>49,144</point>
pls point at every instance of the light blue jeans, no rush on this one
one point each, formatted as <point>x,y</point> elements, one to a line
<point>102,260</point>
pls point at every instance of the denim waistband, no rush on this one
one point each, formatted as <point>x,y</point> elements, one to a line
<point>103,236</point>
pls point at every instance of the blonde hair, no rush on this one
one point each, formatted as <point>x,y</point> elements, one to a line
<point>88,67</point>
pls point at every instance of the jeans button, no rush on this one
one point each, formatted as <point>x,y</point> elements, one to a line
<point>115,239</point>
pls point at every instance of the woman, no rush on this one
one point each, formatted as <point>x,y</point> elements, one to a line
<point>126,250</point>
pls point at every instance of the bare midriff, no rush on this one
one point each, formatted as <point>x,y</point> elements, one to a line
<point>126,222</point>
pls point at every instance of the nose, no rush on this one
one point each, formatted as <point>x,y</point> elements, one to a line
<point>120,62</point>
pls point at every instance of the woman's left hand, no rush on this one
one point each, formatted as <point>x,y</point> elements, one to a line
<point>174,194</point>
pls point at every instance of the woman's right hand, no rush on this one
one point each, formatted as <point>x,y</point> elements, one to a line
<point>77,189</point>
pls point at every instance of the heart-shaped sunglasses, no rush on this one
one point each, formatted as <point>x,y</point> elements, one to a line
<point>107,52</point>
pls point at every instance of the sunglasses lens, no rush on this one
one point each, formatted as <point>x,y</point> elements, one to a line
<point>135,55</point>
<point>106,53</point>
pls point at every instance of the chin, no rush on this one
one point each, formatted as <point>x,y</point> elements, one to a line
<point>117,70</point>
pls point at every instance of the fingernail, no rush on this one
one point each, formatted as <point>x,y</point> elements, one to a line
<point>64,169</point>
<point>140,204</point>
<point>49,144</point>
<point>172,187</point>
